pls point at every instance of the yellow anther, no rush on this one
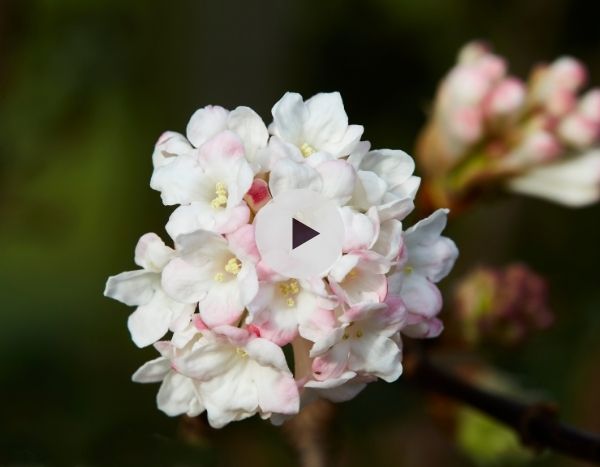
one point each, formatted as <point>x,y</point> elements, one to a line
<point>290,302</point>
<point>294,288</point>
<point>233,266</point>
<point>221,199</point>
<point>241,352</point>
<point>289,289</point>
<point>345,336</point>
<point>219,277</point>
<point>359,333</point>
<point>353,273</point>
<point>408,269</point>
<point>306,149</point>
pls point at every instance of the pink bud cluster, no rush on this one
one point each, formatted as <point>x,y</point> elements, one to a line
<point>510,126</point>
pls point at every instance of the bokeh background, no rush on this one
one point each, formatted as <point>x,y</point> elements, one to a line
<point>86,87</point>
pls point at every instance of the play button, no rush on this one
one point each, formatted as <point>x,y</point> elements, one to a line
<point>299,234</point>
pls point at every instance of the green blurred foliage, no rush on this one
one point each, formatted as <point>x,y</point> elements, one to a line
<point>86,87</point>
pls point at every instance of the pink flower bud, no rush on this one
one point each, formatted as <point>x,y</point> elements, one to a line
<point>506,98</point>
<point>472,52</point>
<point>578,131</point>
<point>492,66</point>
<point>467,85</point>
<point>560,102</point>
<point>569,73</point>
<point>540,146</point>
<point>589,105</point>
<point>466,124</point>
<point>258,195</point>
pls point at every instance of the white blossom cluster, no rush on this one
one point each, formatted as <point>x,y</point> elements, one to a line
<point>220,318</point>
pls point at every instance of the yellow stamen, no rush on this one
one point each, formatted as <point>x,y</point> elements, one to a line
<point>241,352</point>
<point>359,333</point>
<point>290,289</point>
<point>306,149</point>
<point>219,277</point>
<point>233,266</point>
<point>345,336</point>
<point>221,199</point>
<point>408,269</point>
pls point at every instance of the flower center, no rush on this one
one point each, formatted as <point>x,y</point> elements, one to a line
<point>289,290</point>
<point>306,149</point>
<point>408,269</point>
<point>352,331</point>
<point>241,352</point>
<point>233,267</point>
<point>220,200</point>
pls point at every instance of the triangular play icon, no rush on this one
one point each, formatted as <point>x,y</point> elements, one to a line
<point>301,233</point>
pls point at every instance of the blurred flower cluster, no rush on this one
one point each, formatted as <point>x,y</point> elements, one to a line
<point>490,129</point>
<point>503,306</point>
<point>221,318</point>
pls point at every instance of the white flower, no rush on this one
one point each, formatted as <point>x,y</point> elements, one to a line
<point>429,257</point>
<point>178,394</point>
<point>217,272</point>
<point>156,311</point>
<point>318,125</point>
<point>365,342</point>
<point>573,182</point>
<point>359,277</point>
<point>210,185</point>
<point>385,179</point>
<point>239,375</point>
<point>285,307</point>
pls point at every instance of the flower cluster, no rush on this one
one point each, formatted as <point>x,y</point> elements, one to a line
<point>538,138</point>
<point>221,318</point>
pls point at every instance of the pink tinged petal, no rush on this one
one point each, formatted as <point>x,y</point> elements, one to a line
<point>205,123</point>
<point>222,304</point>
<point>132,288</point>
<point>314,326</point>
<point>258,195</point>
<point>560,102</point>
<point>185,282</point>
<point>540,146</point>
<point>338,178</point>
<point>152,371</point>
<point>243,244</point>
<point>246,123</point>
<point>200,216</point>
<point>376,355</point>
<point>361,230</point>
<point>224,147</point>
<point>169,146</point>
<point>289,115</point>
<point>279,325</point>
<point>420,327</point>
<point>177,395</point>
<point>420,296</point>
<point>329,339</point>
<point>288,175</point>
<point>277,391</point>
<point>149,322</point>
<point>333,363</point>
<point>467,86</point>
<point>151,253</point>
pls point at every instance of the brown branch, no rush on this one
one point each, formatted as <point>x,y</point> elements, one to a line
<point>537,424</point>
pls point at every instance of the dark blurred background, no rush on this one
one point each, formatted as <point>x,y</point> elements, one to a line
<point>86,87</point>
